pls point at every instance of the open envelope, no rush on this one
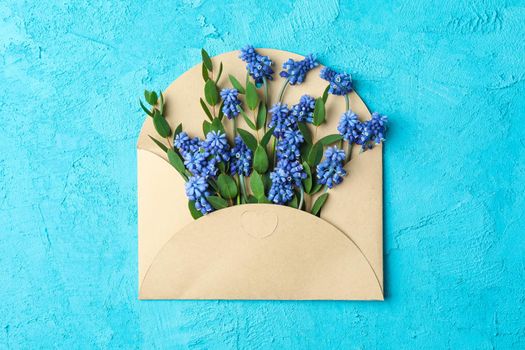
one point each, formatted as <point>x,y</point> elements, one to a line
<point>258,251</point>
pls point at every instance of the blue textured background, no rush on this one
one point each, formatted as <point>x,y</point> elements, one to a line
<point>450,76</point>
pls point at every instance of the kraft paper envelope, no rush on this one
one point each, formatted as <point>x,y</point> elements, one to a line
<point>258,251</point>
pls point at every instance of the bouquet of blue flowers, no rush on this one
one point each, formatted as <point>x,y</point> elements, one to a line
<point>278,161</point>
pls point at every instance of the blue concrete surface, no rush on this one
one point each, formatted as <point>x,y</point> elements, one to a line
<point>449,75</point>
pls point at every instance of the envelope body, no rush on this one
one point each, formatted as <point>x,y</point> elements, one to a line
<point>258,251</point>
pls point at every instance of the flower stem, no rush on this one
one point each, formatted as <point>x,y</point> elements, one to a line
<point>301,198</point>
<point>265,83</point>
<point>274,152</point>
<point>347,102</point>
<point>349,155</point>
<point>243,188</point>
<point>281,93</point>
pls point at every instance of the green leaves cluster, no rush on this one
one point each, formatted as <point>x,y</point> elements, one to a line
<point>156,111</point>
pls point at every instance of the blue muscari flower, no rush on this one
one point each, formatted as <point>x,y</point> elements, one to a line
<point>282,119</point>
<point>340,83</point>
<point>351,128</point>
<point>231,103</point>
<point>257,65</point>
<point>198,163</point>
<point>375,129</point>
<point>289,146</point>
<point>240,158</point>
<point>304,110</point>
<point>186,144</point>
<point>216,145</point>
<point>289,171</point>
<point>330,171</point>
<point>294,169</point>
<point>295,71</point>
<point>197,189</point>
<point>281,191</point>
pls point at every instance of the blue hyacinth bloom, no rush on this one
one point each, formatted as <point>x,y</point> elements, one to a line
<point>351,128</point>
<point>282,119</point>
<point>216,145</point>
<point>240,158</point>
<point>197,190</point>
<point>375,128</point>
<point>289,146</point>
<point>281,191</point>
<point>289,171</point>
<point>198,163</point>
<point>295,71</point>
<point>258,66</point>
<point>231,103</point>
<point>304,110</point>
<point>330,171</point>
<point>184,144</point>
<point>294,169</point>
<point>340,83</point>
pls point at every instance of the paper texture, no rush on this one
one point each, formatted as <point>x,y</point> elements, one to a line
<point>230,254</point>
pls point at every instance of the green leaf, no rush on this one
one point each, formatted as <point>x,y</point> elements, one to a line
<point>219,75</point>
<point>316,188</point>
<point>158,143</point>
<point>316,208</point>
<point>319,112</point>
<point>178,130</point>
<point>303,128</point>
<point>213,185</point>
<point>177,162</point>
<point>307,183</point>
<point>206,109</point>
<point>305,150</point>
<point>260,160</point>
<point>267,181</point>
<point>252,199</point>
<point>325,94</point>
<point>328,140</point>
<point>236,84</point>
<point>266,138</point>
<point>193,211</point>
<point>227,186</point>
<point>248,139</point>
<point>294,203</point>
<point>145,109</point>
<point>264,200</point>
<point>315,155</point>
<point>222,167</point>
<point>206,60</point>
<point>248,121</point>
<point>257,184</point>
<point>261,116</point>
<point>205,74</point>
<point>161,125</point>
<point>252,99</point>
<point>211,93</point>
<point>216,125</point>
<point>151,97</point>
<point>217,202</point>
<point>206,127</point>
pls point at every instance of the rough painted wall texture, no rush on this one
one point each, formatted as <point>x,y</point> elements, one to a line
<point>450,76</point>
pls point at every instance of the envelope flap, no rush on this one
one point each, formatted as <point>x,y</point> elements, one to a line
<point>260,252</point>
